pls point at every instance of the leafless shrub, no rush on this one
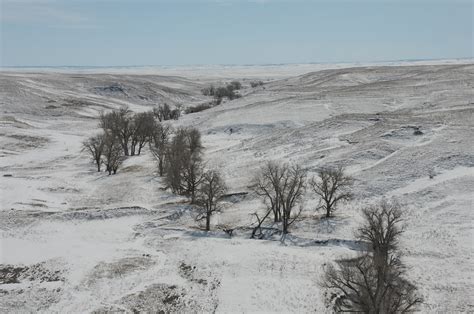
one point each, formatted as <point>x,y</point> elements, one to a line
<point>208,91</point>
<point>223,91</point>
<point>236,85</point>
<point>95,146</point>
<point>211,188</point>
<point>198,108</point>
<point>205,106</point>
<point>373,282</point>
<point>332,185</point>
<point>254,84</point>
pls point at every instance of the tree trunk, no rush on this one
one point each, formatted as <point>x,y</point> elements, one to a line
<point>285,226</point>
<point>125,149</point>
<point>98,167</point>
<point>193,196</point>
<point>208,221</point>
<point>160,166</point>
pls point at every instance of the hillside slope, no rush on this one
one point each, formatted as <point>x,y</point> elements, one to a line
<point>74,240</point>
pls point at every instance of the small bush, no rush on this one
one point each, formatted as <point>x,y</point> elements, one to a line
<point>417,132</point>
<point>208,91</point>
<point>197,108</point>
<point>201,107</point>
<point>254,84</point>
<point>236,85</point>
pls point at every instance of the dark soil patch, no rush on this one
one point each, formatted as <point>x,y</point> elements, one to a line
<point>38,272</point>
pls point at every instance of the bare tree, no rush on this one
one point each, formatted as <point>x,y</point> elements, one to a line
<point>192,172</point>
<point>211,189</point>
<point>374,282</point>
<point>159,144</point>
<point>118,123</point>
<point>332,185</point>
<point>142,126</point>
<point>266,184</point>
<point>174,163</point>
<point>112,153</point>
<point>281,187</point>
<point>292,188</point>
<point>193,140</point>
<point>164,112</point>
<point>381,228</point>
<point>184,167</point>
<point>95,146</point>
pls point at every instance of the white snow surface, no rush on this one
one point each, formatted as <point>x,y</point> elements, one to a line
<point>89,242</point>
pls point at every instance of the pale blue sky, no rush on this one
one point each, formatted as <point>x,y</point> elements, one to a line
<point>145,32</point>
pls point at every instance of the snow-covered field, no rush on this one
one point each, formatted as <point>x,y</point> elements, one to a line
<point>74,240</point>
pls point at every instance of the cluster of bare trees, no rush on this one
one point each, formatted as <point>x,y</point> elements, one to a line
<point>132,131</point>
<point>178,153</point>
<point>228,91</point>
<point>374,281</point>
<point>183,162</point>
<point>282,187</point>
<point>211,189</point>
<point>179,157</point>
<point>125,134</point>
<point>105,149</point>
<point>164,112</point>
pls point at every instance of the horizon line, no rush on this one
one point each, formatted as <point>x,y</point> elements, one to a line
<point>231,64</point>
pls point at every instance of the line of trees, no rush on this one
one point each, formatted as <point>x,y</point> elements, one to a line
<point>178,154</point>
<point>180,163</point>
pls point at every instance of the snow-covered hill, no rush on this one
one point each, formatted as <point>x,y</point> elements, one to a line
<point>74,240</point>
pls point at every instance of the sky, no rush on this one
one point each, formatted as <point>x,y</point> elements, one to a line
<point>179,32</point>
